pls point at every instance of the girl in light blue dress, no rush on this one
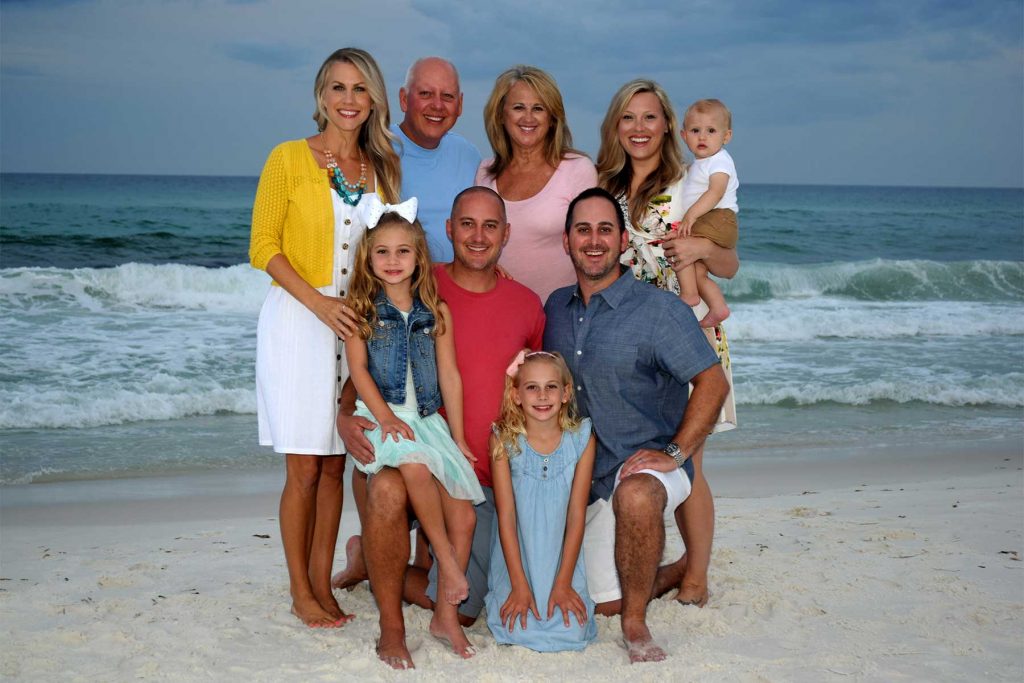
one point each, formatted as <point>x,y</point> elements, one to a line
<point>542,462</point>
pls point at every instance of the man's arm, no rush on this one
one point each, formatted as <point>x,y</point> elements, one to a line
<point>351,427</point>
<point>709,391</point>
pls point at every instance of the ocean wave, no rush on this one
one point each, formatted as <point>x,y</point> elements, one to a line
<point>1006,391</point>
<point>164,398</point>
<point>833,317</point>
<point>879,280</point>
<point>238,288</point>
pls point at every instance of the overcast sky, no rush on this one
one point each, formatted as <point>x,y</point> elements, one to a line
<point>916,92</point>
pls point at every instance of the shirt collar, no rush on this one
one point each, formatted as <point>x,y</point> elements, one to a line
<point>614,293</point>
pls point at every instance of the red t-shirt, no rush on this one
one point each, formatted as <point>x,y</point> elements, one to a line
<point>490,327</point>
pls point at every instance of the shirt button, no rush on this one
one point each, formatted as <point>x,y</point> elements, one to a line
<point>348,221</point>
<point>344,271</point>
<point>579,388</point>
<point>579,353</point>
<point>581,319</point>
<point>338,357</point>
<point>345,245</point>
<point>339,401</point>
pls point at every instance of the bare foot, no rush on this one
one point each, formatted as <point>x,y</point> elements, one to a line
<point>453,580</point>
<point>640,645</point>
<point>692,594</point>
<point>669,577</point>
<point>394,653</point>
<point>453,636</point>
<point>354,572</point>
<point>715,316</point>
<point>313,615</point>
<point>331,606</point>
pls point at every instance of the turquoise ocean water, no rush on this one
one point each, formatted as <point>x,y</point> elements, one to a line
<point>862,317</point>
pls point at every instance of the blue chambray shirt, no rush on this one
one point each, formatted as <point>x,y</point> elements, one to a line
<point>632,353</point>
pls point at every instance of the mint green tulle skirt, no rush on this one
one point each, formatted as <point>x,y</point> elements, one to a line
<point>432,447</point>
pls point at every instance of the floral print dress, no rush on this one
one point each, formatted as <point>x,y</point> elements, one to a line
<point>646,257</point>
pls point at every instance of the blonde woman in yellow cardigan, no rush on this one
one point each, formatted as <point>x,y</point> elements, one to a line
<point>306,222</point>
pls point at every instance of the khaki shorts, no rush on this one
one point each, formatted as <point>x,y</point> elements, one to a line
<point>719,226</point>
<point>599,536</point>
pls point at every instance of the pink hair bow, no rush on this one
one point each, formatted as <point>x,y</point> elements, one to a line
<point>521,357</point>
<point>373,208</point>
<point>513,367</point>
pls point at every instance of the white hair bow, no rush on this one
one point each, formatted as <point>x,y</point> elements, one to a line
<point>373,208</point>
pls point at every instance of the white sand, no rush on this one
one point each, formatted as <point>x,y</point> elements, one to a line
<point>893,569</point>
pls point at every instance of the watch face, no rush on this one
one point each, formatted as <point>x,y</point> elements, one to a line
<point>671,449</point>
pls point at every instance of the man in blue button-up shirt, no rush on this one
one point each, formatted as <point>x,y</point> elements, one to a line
<point>632,349</point>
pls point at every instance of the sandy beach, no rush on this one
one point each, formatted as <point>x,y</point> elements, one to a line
<point>880,567</point>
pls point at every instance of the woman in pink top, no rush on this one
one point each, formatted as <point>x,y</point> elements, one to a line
<point>537,172</point>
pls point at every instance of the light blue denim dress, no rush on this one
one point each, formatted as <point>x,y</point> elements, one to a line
<point>542,484</point>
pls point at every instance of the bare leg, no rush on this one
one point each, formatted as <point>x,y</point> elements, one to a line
<point>696,519</point>
<point>297,516</point>
<point>688,286</point>
<point>354,572</point>
<point>668,578</point>
<point>712,295</point>
<point>639,541</point>
<point>460,520</point>
<point>329,498</point>
<point>386,550</point>
<point>415,593</point>
<point>426,503</point>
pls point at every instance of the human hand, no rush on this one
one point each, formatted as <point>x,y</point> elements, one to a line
<point>683,251</point>
<point>336,314</point>
<point>503,273</point>
<point>569,601</point>
<point>685,226</point>
<point>465,451</point>
<point>647,459</point>
<point>352,430</point>
<point>394,427</point>
<point>520,603</point>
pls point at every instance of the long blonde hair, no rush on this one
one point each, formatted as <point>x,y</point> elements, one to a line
<point>511,421</point>
<point>375,137</point>
<point>559,139</point>
<point>615,168</point>
<point>365,285</point>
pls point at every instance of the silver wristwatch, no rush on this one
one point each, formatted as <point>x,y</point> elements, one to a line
<point>677,454</point>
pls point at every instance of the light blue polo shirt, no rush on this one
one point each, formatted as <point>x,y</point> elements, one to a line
<point>434,177</point>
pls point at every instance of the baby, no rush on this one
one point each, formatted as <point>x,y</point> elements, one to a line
<point>709,193</point>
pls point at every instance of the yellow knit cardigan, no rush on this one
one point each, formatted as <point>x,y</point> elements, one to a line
<point>293,214</point>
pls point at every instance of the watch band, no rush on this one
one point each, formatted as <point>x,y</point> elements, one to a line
<point>672,449</point>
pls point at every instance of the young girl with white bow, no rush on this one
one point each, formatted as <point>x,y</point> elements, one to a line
<point>402,363</point>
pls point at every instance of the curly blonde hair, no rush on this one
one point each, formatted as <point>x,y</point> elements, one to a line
<point>365,285</point>
<point>559,139</point>
<point>614,167</point>
<point>375,137</point>
<point>511,421</point>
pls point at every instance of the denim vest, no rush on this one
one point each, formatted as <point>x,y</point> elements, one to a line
<point>390,344</point>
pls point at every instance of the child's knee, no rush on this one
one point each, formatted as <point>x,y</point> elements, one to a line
<point>414,472</point>
<point>463,518</point>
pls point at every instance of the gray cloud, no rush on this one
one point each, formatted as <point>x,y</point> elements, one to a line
<point>268,56</point>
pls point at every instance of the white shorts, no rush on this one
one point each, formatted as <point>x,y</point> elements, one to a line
<point>599,536</point>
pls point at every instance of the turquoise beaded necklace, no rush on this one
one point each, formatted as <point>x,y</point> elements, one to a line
<point>350,193</point>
